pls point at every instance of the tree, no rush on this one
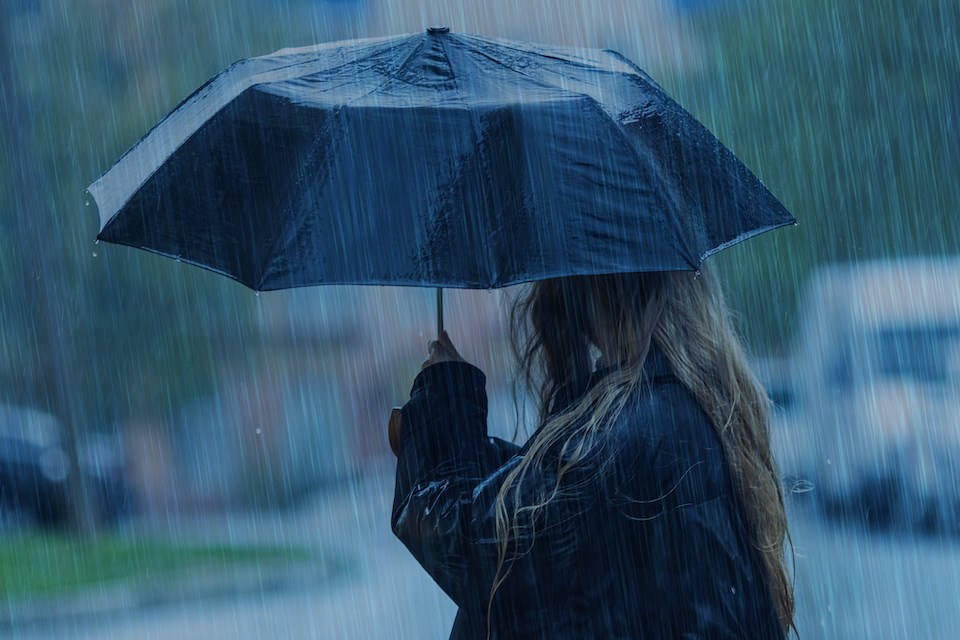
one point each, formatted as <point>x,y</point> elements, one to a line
<point>37,292</point>
<point>848,112</point>
<point>93,337</point>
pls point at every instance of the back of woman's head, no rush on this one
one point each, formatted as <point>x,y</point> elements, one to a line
<point>560,325</point>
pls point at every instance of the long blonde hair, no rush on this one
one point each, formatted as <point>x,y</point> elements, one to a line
<point>554,328</point>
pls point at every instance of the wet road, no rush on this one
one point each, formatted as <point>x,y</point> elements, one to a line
<point>851,584</point>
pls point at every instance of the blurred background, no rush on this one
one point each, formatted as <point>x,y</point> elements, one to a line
<point>181,456</point>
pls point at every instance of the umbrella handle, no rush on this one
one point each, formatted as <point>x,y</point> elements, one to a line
<point>439,311</point>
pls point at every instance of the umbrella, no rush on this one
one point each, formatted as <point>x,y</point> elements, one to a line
<point>431,159</point>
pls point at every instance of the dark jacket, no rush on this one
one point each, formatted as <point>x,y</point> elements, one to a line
<point>651,545</point>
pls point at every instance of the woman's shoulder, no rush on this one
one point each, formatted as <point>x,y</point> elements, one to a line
<point>663,440</point>
<point>665,412</point>
<point>662,409</point>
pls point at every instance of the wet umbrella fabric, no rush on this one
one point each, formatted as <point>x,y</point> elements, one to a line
<point>431,159</point>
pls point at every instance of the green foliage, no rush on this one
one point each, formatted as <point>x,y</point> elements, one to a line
<point>36,565</point>
<point>140,334</point>
<point>848,111</point>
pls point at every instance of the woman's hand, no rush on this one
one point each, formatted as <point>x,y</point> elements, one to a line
<point>393,430</point>
<point>441,350</point>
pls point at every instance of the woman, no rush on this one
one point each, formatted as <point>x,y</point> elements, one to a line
<point>645,505</point>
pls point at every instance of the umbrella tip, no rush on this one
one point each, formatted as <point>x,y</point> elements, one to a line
<point>437,30</point>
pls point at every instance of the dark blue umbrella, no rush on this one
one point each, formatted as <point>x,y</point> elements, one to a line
<point>433,159</point>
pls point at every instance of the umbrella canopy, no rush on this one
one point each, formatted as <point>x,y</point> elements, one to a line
<point>431,159</point>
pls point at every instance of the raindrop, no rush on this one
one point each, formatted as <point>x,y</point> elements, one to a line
<point>796,224</point>
<point>258,431</point>
<point>94,254</point>
<point>256,294</point>
<point>97,241</point>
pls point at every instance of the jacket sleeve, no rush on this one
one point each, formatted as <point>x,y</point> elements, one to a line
<point>445,425</point>
<point>447,479</point>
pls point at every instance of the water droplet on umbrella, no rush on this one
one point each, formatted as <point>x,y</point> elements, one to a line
<point>94,254</point>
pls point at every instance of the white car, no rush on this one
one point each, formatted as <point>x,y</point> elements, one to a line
<point>877,363</point>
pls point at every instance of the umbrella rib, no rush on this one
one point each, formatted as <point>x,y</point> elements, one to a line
<point>363,57</point>
<point>503,64</point>
<point>743,236</point>
<point>543,50</point>
<point>476,145</point>
<point>357,43</point>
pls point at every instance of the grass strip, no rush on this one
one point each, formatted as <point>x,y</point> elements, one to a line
<point>48,564</point>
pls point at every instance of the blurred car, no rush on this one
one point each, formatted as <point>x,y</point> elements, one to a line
<point>35,470</point>
<point>878,372</point>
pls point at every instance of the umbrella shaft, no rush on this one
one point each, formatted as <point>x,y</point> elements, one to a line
<point>439,311</point>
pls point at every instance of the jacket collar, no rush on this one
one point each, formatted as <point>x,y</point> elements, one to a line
<point>656,366</point>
